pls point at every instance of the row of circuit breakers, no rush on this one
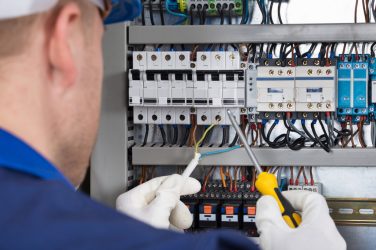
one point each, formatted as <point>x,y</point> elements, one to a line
<point>166,87</point>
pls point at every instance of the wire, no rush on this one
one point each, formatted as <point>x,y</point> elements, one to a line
<point>167,4</point>
<point>146,135</point>
<point>163,133</point>
<point>291,176</point>
<point>191,14</point>
<point>234,141</point>
<point>204,13</point>
<point>356,11</point>
<point>244,12</point>
<point>161,12</point>
<point>143,15</point>
<point>231,6</point>
<point>279,11</point>
<point>223,136</point>
<point>203,137</point>
<point>151,13</point>
<point>271,12</point>
<point>262,11</point>
<point>318,140</point>
<point>223,178</point>
<point>221,151</point>
<point>311,176</point>
<point>175,135</point>
<point>186,136</point>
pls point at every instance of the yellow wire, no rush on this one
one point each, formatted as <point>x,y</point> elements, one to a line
<point>203,137</point>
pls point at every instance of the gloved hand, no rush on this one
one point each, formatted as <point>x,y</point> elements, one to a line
<point>317,230</point>
<point>157,202</point>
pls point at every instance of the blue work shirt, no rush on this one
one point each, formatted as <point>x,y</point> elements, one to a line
<point>41,210</point>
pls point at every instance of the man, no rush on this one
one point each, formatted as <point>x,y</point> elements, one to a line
<point>50,88</point>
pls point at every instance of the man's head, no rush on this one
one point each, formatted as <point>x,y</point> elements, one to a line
<point>50,82</point>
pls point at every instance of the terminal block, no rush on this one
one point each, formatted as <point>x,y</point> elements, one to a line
<point>213,7</point>
<point>315,86</point>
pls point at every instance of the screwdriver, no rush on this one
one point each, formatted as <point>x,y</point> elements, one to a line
<point>266,183</point>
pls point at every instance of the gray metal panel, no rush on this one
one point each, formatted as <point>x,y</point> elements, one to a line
<point>109,161</point>
<point>204,34</point>
<point>267,157</point>
<point>358,237</point>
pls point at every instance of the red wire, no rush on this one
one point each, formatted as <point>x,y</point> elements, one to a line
<point>311,174</point>
<point>291,175</point>
<point>305,177</point>
<point>298,176</point>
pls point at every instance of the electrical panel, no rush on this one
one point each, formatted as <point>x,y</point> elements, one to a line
<point>292,99</point>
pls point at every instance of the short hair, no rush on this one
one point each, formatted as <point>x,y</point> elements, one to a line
<point>15,33</point>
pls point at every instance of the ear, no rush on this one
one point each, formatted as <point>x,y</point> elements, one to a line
<point>65,39</point>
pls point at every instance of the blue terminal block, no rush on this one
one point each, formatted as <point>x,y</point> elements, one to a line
<point>352,88</point>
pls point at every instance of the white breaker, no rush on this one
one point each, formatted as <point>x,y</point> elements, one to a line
<point>315,88</point>
<point>276,89</point>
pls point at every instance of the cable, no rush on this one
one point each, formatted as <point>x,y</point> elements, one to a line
<point>271,12</point>
<point>203,137</point>
<point>306,131</point>
<point>151,13</point>
<point>221,151</point>
<point>143,15</point>
<point>279,11</point>
<point>175,135</point>
<point>318,140</point>
<point>167,4</point>
<point>191,14</point>
<point>146,135</point>
<point>231,6</point>
<point>161,11</point>
<point>204,14</point>
<point>244,12</point>
<point>262,11</point>
<point>234,141</point>
<point>223,136</point>
<point>186,136</point>
<point>163,134</point>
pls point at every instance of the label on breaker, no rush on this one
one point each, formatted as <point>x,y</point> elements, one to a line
<point>229,218</point>
<point>248,218</point>
<point>208,217</point>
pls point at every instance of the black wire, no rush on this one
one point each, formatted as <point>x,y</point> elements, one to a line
<point>143,15</point>
<point>262,11</point>
<point>204,14</point>
<point>244,16</point>
<point>163,133</point>
<point>175,135</point>
<point>191,14</point>
<point>230,13</point>
<point>310,50</point>
<point>279,141</point>
<point>223,137</point>
<point>146,135</point>
<point>308,133</point>
<point>185,137</point>
<point>271,12</point>
<point>319,139</point>
<point>161,11</point>
<point>279,11</point>
<point>207,138</point>
<point>373,49</point>
<point>151,13</point>
<point>234,141</point>
<point>199,7</point>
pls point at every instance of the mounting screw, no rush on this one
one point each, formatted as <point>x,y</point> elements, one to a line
<point>271,105</point>
<point>153,57</point>
<point>139,57</point>
<point>289,105</point>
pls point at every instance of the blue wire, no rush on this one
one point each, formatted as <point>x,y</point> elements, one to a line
<point>174,13</point>
<point>219,151</point>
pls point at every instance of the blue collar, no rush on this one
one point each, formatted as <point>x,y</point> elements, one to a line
<point>18,156</point>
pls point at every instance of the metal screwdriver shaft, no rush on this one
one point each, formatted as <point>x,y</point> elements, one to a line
<point>244,141</point>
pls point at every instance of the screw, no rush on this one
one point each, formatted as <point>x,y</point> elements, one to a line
<point>218,118</point>
<point>280,72</point>
<point>305,62</point>
<point>310,105</point>
<point>289,72</point>
<point>348,66</point>
<point>271,72</point>
<point>168,117</point>
<point>289,105</point>
<point>271,105</point>
<point>168,57</point>
<point>139,57</point>
<point>357,66</point>
<point>305,115</point>
<point>182,117</point>
<point>328,71</point>
<point>193,110</point>
<point>266,63</point>
<point>267,115</point>
<point>193,65</point>
<point>280,105</point>
<point>309,72</point>
<point>316,62</point>
<point>319,71</point>
<point>278,63</point>
<point>315,115</point>
<point>153,57</point>
<point>242,65</point>
<point>243,110</point>
<point>278,115</point>
<point>250,67</point>
<point>319,105</point>
<point>328,105</point>
<point>203,57</point>
<point>181,57</point>
<point>217,57</point>
<point>204,118</point>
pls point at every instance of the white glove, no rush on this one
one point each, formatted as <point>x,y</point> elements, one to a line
<point>317,230</point>
<point>157,202</point>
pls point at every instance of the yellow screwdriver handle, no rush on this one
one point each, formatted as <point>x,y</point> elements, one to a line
<point>267,184</point>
